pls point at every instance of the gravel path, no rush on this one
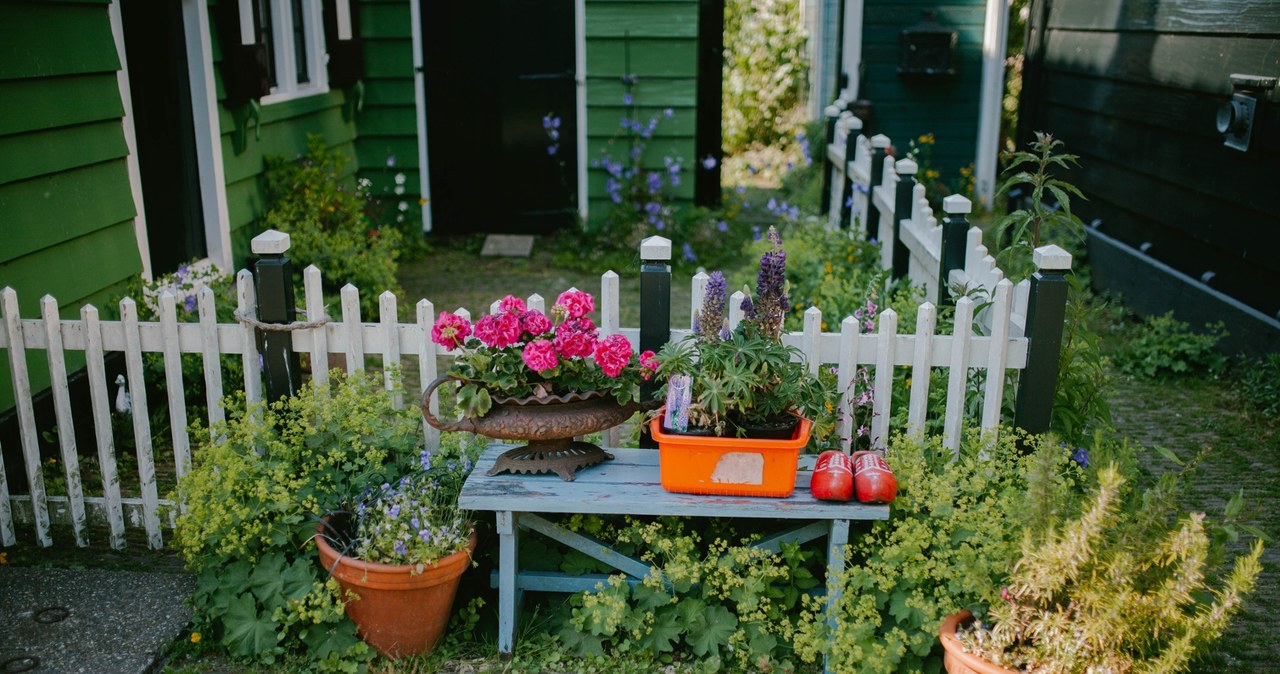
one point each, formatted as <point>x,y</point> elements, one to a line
<point>1243,449</point>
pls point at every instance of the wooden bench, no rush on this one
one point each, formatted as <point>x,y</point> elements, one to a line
<point>630,485</point>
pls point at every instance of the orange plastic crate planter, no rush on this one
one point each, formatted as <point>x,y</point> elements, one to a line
<point>696,464</point>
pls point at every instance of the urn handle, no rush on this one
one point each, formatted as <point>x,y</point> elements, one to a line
<point>463,424</point>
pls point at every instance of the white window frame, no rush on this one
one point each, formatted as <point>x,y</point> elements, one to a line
<point>282,24</point>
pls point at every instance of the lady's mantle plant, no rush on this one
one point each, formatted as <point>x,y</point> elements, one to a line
<point>252,499</point>
<point>746,376</point>
<point>519,352</point>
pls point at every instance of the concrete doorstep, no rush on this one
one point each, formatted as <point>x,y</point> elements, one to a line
<point>61,621</point>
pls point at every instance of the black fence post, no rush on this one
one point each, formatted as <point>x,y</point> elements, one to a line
<point>830,115</point>
<point>273,278</point>
<point>903,205</point>
<point>879,150</point>
<point>853,129</point>
<point>1046,312</point>
<point>955,226</point>
<point>655,308</point>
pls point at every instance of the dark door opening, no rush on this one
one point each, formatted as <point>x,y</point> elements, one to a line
<point>497,74</point>
<point>160,91</point>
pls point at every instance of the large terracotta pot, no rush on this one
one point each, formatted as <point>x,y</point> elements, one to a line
<point>400,612</point>
<point>955,659</point>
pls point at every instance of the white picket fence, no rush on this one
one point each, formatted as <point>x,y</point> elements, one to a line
<point>963,352</point>
<point>920,231</point>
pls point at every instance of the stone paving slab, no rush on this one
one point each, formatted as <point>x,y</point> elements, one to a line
<point>56,621</point>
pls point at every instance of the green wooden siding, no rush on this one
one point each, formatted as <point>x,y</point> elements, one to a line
<point>907,108</point>
<point>658,41</point>
<point>1135,93</point>
<point>388,126</point>
<point>66,210</point>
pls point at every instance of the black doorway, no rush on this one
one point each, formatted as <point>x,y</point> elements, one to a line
<point>494,71</point>
<point>160,91</point>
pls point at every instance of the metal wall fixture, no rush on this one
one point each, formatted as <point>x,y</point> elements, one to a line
<point>1236,117</point>
<point>927,48</point>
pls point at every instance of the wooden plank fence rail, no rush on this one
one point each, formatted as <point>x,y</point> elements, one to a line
<point>1004,346</point>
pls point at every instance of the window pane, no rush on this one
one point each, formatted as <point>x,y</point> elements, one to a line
<point>265,36</point>
<point>300,42</point>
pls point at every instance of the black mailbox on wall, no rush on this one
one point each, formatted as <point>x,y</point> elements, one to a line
<point>927,48</point>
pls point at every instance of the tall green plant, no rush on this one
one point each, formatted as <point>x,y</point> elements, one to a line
<point>765,71</point>
<point>1046,209</point>
<point>325,215</point>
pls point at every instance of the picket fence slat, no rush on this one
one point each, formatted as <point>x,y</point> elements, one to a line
<point>353,328</point>
<point>317,337</point>
<point>993,396</point>
<point>56,359</point>
<point>427,367</point>
<point>391,346</point>
<point>141,423</point>
<point>811,338</point>
<point>697,296</point>
<point>921,369</point>
<point>882,404</point>
<point>105,438</point>
<point>7,535</point>
<point>610,303</point>
<point>173,382</point>
<point>247,304</point>
<point>26,414</point>
<point>211,355</point>
<point>845,374</point>
<point>958,376</point>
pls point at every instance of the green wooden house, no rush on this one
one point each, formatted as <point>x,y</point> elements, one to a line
<point>917,68</point>
<point>133,133</point>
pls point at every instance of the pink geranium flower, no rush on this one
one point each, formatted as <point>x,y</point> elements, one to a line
<point>498,330</point>
<point>576,303</point>
<point>648,364</point>
<point>535,322</point>
<point>540,355</point>
<point>612,354</point>
<point>450,330</point>
<point>511,305</point>
<point>575,338</point>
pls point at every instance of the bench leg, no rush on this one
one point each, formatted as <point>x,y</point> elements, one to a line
<point>507,572</point>
<point>836,540</point>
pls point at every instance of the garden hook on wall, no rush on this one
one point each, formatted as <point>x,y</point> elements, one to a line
<point>241,115</point>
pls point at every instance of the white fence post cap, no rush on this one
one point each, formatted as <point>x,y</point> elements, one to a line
<point>656,248</point>
<point>880,141</point>
<point>957,205</point>
<point>1051,257</point>
<point>270,242</point>
<point>905,167</point>
<point>831,111</point>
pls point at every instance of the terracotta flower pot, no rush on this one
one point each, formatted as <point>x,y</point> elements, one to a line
<point>956,660</point>
<point>399,612</point>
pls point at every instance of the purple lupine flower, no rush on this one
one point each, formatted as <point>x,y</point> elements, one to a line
<point>748,307</point>
<point>711,318</point>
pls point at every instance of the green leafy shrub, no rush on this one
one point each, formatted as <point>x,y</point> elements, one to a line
<point>325,216</point>
<point>765,71</point>
<point>1080,404</point>
<point>1165,346</point>
<point>950,536</point>
<point>1260,381</point>
<point>252,501</point>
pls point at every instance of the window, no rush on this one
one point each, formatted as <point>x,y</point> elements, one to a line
<point>294,37</point>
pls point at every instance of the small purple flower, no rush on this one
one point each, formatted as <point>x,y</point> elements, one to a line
<point>394,512</point>
<point>722,226</point>
<point>552,149</point>
<point>688,252</point>
<point>708,162</point>
<point>400,548</point>
<point>751,169</point>
<point>772,205</point>
<point>755,232</point>
<point>675,180</point>
<point>668,113</point>
<point>182,272</point>
<point>424,459</point>
<point>654,182</point>
<point>740,189</point>
<point>628,99</point>
<point>425,535</point>
<point>391,160</point>
<point>415,522</point>
<point>189,304</point>
<point>1081,456</point>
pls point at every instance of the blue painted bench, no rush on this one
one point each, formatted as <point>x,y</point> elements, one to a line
<point>630,485</point>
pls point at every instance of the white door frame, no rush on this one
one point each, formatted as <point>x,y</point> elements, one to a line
<point>130,142</point>
<point>204,114</point>
<point>420,103</point>
<point>851,50</point>
<point>995,34</point>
